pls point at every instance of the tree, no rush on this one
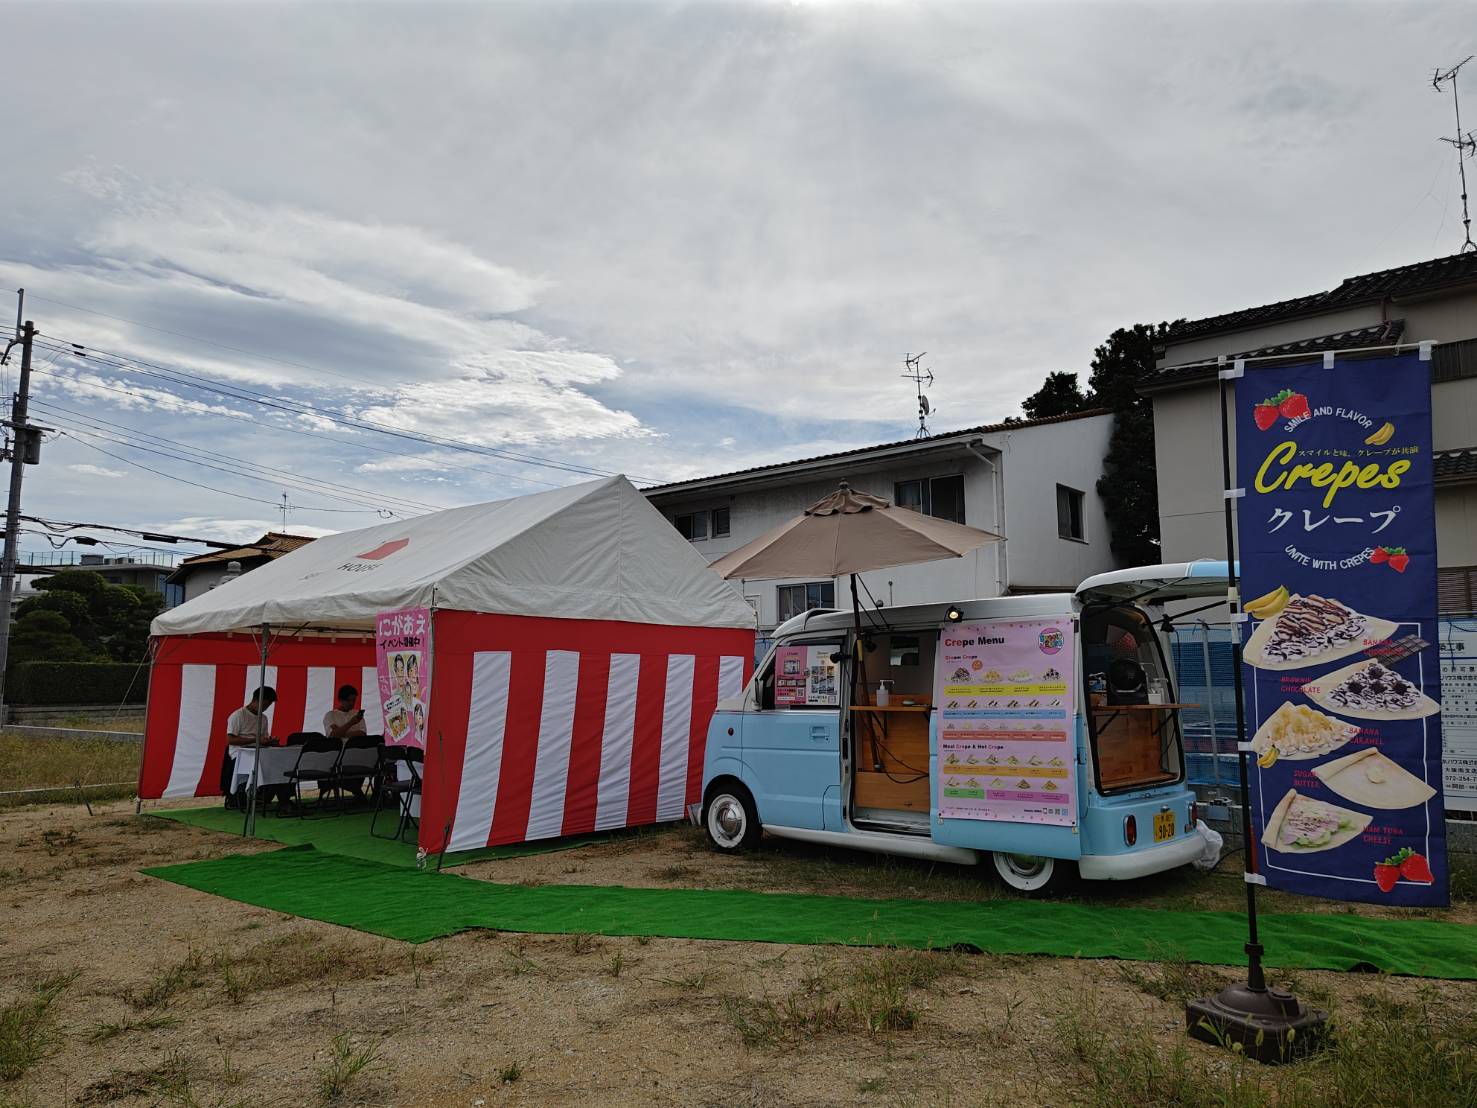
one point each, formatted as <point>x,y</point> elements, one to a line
<point>1128,486</point>
<point>46,636</point>
<point>1059,395</point>
<point>76,610</point>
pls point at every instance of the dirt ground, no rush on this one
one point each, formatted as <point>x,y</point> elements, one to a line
<point>164,995</point>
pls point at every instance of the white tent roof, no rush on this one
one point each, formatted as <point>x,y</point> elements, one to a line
<point>597,550</point>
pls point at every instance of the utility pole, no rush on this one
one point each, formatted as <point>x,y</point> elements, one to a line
<point>25,448</point>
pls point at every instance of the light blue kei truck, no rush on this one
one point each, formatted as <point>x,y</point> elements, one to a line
<point>853,767</point>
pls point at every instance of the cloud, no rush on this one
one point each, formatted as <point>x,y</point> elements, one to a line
<point>87,469</point>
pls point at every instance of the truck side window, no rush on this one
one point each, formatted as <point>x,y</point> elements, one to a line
<point>765,688</point>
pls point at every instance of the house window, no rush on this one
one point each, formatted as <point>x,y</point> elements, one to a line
<point>1069,523</point>
<point>794,599</point>
<point>1456,590</point>
<point>941,497</point>
<point>720,522</point>
<point>693,527</point>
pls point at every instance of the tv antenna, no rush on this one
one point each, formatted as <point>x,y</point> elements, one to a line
<point>286,507</point>
<point>921,379</point>
<point>1466,144</point>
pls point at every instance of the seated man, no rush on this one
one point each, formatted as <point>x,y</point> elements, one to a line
<point>345,722</point>
<point>246,725</point>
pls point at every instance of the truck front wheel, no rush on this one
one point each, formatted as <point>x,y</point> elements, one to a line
<point>731,820</point>
<point>1033,874</point>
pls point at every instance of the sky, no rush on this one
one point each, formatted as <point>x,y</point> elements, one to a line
<point>667,240</point>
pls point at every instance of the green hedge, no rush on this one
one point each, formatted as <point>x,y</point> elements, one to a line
<point>44,683</point>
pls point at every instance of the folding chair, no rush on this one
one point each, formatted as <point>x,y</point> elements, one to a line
<point>359,764</point>
<point>391,786</point>
<point>317,763</point>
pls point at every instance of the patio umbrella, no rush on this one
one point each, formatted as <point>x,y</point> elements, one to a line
<point>850,532</point>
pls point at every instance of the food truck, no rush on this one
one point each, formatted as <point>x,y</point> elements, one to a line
<point>1039,735</point>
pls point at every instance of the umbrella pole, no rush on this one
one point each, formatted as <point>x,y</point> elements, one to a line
<point>859,656</point>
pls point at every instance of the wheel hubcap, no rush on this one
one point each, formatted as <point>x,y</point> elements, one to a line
<point>1025,865</point>
<point>727,820</point>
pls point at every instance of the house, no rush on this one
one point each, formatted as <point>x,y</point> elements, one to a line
<point>1033,481</point>
<point>204,572</point>
<point>1428,301</point>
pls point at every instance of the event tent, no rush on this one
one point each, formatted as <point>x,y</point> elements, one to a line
<point>579,647</point>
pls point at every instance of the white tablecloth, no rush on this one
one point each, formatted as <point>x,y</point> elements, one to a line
<point>276,761</point>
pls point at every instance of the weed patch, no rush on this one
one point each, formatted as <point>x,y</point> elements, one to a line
<point>28,1030</point>
<point>345,1066</point>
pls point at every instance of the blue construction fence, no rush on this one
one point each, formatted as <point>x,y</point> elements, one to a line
<point>1202,660</point>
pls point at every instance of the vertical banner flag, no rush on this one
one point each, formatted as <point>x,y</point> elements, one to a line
<point>402,646</point>
<point>1342,669</point>
<point>1007,746</point>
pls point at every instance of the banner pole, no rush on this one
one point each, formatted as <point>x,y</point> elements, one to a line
<point>1269,1025</point>
<point>1255,978</point>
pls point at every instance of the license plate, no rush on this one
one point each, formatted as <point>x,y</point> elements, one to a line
<point>1163,826</point>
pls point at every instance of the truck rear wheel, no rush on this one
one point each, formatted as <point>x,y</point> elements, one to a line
<point>1033,874</point>
<point>730,818</point>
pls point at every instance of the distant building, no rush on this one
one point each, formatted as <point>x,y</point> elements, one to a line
<point>1034,481</point>
<point>198,575</point>
<point>147,571</point>
<point>1434,300</point>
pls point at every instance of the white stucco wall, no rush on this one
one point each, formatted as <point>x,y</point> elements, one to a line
<point>1033,461</point>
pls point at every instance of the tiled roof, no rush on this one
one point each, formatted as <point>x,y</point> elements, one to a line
<point>1457,465</point>
<point>929,440</point>
<point>1405,280</point>
<point>271,546</point>
<point>1380,334</point>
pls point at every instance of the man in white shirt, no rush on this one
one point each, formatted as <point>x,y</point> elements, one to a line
<point>242,729</point>
<point>344,722</point>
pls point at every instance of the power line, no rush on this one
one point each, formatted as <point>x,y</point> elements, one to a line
<point>206,383</point>
<point>196,338</point>
<point>152,536</point>
<point>208,488</point>
<point>72,431</point>
<point>243,418</point>
<point>273,475</point>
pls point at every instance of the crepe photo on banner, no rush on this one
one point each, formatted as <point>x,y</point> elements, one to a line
<point>1342,670</point>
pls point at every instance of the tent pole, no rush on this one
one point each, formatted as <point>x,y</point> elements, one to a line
<point>256,762</point>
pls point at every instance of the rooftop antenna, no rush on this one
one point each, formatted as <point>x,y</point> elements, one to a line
<point>286,507</point>
<point>1466,144</point>
<point>921,378</point>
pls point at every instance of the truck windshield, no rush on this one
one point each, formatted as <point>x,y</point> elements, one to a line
<point>1132,720</point>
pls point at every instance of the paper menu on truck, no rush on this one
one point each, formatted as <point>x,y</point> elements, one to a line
<point>1006,726</point>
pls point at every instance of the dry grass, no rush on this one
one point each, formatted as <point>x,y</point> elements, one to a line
<point>1400,1051</point>
<point>35,763</point>
<point>872,996</point>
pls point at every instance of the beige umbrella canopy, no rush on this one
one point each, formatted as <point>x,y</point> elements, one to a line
<point>850,532</point>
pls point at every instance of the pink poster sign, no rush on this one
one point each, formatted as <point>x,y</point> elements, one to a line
<point>402,646</point>
<point>1007,742</point>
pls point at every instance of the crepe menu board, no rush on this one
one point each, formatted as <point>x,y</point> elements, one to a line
<point>402,644</point>
<point>805,676</point>
<point>1342,675</point>
<point>1007,722</point>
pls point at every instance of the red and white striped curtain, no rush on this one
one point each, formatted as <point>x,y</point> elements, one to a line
<point>197,681</point>
<point>542,728</point>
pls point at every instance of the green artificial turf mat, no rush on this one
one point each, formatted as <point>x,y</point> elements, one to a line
<point>348,835</point>
<point>418,906</point>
